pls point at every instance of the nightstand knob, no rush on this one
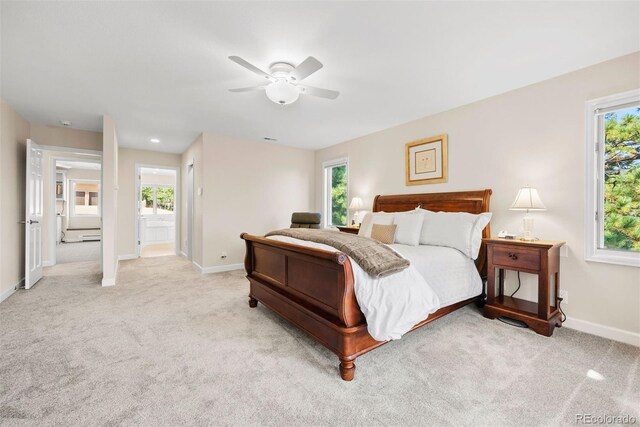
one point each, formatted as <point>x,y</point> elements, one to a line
<point>513,256</point>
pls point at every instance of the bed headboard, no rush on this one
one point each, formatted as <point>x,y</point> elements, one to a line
<point>474,202</point>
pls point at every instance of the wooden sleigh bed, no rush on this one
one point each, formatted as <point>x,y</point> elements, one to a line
<point>314,289</point>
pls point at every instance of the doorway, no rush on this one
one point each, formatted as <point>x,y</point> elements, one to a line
<point>77,209</point>
<point>157,201</point>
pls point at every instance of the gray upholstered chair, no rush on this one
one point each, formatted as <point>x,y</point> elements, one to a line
<point>305,220</point>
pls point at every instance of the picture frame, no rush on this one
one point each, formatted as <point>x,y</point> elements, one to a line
<point>426,161</point>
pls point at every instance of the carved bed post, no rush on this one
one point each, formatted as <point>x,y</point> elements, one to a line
<point>248,266</point>
<point>347,368</point>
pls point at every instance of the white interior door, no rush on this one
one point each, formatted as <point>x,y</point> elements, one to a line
<point>33,215</point>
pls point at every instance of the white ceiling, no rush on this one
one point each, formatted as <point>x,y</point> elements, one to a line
<point>72,164</point>
<point>160,69</point>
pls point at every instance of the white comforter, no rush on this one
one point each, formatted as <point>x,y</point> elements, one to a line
<point>393,304</point>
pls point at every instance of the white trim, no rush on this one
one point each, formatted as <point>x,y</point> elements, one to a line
<point>197,266</point>
<point>222,268</point>
<point>108,282</point>
<point>127,257</point>
<point>71,150</point>
<point>48,263</point>
<point>615,334</point>
<point>6,294</point>
<point>112,280</point>
<point>593,250</point>
<point>182,254</point>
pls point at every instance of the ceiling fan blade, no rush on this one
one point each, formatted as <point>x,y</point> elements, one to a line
<point>250,67</point>
<point>306,68</point>
<point>316,91</point>
<point>249,89</point>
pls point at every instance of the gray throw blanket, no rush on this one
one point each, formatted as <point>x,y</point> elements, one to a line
<point>377,259</point>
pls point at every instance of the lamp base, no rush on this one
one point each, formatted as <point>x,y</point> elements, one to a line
<point>527,228</point>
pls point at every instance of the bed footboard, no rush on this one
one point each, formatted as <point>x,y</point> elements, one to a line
<point>311,288</point>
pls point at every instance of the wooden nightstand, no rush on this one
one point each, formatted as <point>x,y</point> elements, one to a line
<point>541,257</point>
<point>349,229</point>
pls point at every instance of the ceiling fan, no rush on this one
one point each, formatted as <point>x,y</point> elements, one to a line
<point>283,86</point>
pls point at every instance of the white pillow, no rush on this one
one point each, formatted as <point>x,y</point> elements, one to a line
<point>374,218</point>
<point>458,230</point>
<point>409,226</point>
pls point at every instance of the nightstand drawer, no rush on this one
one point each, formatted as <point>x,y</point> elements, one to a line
<point>516,256</point>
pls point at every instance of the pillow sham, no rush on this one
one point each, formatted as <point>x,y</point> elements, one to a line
<point>374,218</point>
<point>384,233</point>
<point>458,230</point>
<point>409,227</point>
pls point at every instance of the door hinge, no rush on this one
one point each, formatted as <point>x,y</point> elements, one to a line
<point>596,218</point>
<point>138,242</point>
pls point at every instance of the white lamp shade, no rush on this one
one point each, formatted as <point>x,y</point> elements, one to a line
<point>282,92</point>
<point>528,200</point>
<point>356,204</point>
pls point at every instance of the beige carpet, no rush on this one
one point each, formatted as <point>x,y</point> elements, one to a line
<point>158,249</point>
<point>168,346</point>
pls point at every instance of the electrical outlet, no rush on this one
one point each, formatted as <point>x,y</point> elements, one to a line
<point>223,255</point>
<point>565,297</point>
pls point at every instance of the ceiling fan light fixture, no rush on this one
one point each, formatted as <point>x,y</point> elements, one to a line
<point>281,92</point>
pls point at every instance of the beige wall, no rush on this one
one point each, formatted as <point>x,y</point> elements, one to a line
<point>109,202</point>
<point>66,137</point>
<point>534,135</point>
<point>193,154</point>
<point>14,131</point>
<point>127,160</point>
<point>250,187</point>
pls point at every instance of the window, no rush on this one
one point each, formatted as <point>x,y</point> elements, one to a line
<point>613,169</point>
<point>86,198</point>
<point>336,177</point>
<point>157,199</point>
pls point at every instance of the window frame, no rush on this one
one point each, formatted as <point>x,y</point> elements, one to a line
<point>72,198</point>
<point>326,208</point>
<point>594,197</point>
<point>155,201</point>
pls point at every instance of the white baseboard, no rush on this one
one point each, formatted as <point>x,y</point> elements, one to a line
<point>217,268</point>
<point>197,266</point>
<point>108,282</point>
<point>221,268</point>
<point>126,257</point>
<point>182,254</point>
<point>111,281</point>
<point>47,263</point>
<point>6,294</point>
<point>615,334</point>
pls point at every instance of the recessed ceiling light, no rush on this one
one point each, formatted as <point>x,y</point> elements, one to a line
<point>65,123</point>
<point>154,140</point>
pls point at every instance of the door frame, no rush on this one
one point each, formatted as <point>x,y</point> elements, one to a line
<point>52,202</point>
<point>190,206</point>
<point>136,205</point>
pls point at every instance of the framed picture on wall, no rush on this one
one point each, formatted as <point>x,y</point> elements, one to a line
<point>426,161</point>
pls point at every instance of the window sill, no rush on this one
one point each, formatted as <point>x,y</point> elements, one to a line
<point>628,259</point>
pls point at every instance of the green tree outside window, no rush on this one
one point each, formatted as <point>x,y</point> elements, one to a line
<point>622,180</point>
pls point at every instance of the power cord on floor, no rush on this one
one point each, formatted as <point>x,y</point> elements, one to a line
<point>564,316</point>
<point>519,284</point>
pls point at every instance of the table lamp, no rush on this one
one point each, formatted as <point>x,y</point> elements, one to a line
<point>356,205</point>
<point>527,200</point>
